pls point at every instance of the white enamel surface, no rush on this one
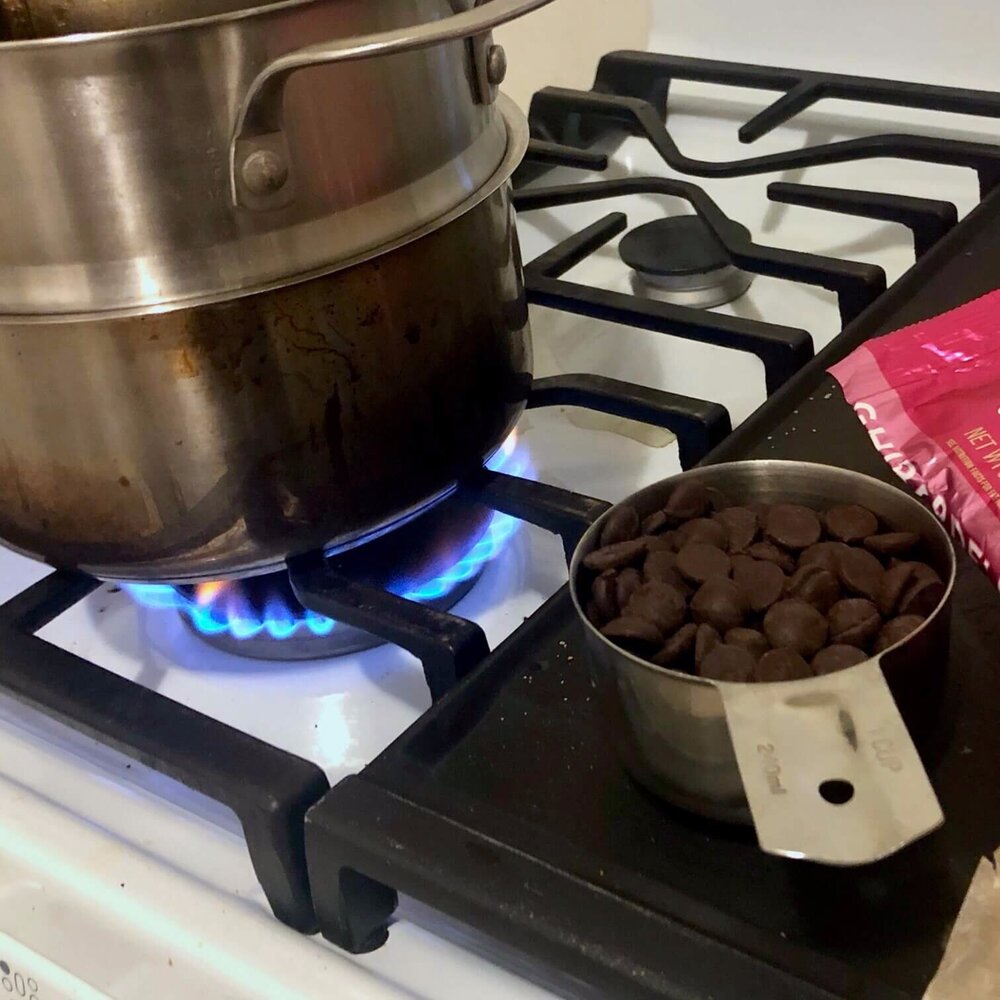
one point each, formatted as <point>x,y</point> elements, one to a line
<point>117,882</point>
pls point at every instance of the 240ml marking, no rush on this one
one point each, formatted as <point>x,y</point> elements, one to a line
<point>18,985</point>
<point>772,768</point>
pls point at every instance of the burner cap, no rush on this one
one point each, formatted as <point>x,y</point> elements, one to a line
<point>681,256</point>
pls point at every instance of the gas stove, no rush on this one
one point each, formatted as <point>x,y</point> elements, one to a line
<point>177,784</point>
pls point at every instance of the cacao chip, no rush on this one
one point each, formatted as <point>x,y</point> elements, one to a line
<point>850,523</point>
<point>622,525</point>
<point>837,657</point>
<point>728,663</point>
<point>792,526</point>
<point>795,624</point>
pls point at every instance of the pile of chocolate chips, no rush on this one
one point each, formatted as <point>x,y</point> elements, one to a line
<point>756,593</point>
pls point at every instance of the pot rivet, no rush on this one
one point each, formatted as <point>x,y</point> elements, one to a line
<point>264,172</point>
<point>496,65</point>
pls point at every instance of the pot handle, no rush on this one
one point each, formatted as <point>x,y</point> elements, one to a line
<point>258,168</point>
<point>828,767</point>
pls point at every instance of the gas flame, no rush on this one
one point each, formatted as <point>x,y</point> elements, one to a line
<point>223,606</point>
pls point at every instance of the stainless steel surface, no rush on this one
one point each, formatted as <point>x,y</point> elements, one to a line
<point>45,18</point>
<point>261,117</point>
<point>118,151</point>
<point>496,65</point>
<point>697,291</point>
<point>213,442</point>
<point>791,739</point>
<point>671,728</point>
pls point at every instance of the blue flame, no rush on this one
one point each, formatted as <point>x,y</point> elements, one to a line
<point>216,608</point>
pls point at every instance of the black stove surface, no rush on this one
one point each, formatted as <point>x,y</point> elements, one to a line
<point>506,808</point>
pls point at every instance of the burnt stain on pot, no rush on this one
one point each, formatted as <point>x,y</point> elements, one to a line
<point>334,432</point>
<point>291,418</point>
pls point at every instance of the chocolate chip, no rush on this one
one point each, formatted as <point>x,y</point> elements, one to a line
<point>854,622</point>
<point>701,529</point>
<point>637,634</point>
<point>922,598</point>
<point>728,663</point>
<point>716,499</point>
<point>749,639</point>
<point>894,543</point>
<point>687,500</point>
<point>615,556</point>
<point>622,525</point>
<point>741,527</point>
<point>895,582</point>
<point>850,523</point>
<point>792,526</point>
<point>699,562</point>
<point>655,523</point>
<point>720,603</point>
<point>781,665</point>
<point>896,631</point>
<point>860,572</point>
<point>771,553</point>
<point>627,583</point>
<point>706,639</point>
<point>659,603</point>
<point>762,581</point>
<point>815,585</point>
<point>823,554</point>
<point>659,564</point>
<point>796,624</point>
<point>677,647</point>
<point>666,542</point>
<point>839,657</point>
<point>604,594</point>
<point>925,572</point>
<point>662,566</point>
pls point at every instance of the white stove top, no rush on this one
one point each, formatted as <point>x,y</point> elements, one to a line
<point>118,882</point>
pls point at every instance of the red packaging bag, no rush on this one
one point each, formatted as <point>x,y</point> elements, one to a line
<point>929,397</point>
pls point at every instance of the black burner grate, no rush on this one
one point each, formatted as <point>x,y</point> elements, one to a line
<point>269,789</point>
<point>529,829</point>
<point>504,807</point>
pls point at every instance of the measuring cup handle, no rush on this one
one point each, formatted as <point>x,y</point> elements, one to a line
<point>828,767</point>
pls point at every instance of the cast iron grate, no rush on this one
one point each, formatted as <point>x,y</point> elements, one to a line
<point>505,809</point>
<point>630,96</point>
<point>268,789</point>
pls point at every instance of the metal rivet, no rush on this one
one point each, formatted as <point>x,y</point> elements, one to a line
<point>264,172</point>
<point>496,65</point>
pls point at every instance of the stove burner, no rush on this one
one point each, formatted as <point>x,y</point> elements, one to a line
<point>263,620</point>
<point>434,560</point>
<point>682,262</point>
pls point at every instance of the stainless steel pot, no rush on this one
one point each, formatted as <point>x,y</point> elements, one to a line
<point>186,162</point>
<point>21,19</point>
<point>765,752</point>
<point>215,441</point>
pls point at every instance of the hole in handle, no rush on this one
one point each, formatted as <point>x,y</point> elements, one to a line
<point>836,791</point>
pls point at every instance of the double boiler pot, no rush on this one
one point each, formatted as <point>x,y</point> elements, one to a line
<point>260,288</point>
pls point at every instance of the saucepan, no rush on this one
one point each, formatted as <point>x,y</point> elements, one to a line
<point>769,754</point>
<point>260,286</point>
